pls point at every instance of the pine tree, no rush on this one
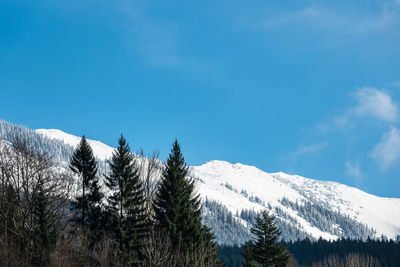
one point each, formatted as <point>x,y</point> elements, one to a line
<point>87,206</point>
<point>264,249</point>
<point>177,209</point>
<point>126,204</point>
<point>45,228</point>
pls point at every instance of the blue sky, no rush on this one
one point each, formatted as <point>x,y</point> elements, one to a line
<point>305,87</point>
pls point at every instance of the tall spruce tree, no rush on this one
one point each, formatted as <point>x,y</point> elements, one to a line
<point>264,250</point>
<point>178,211</point>
<point>126,204</point>
<point>87,205</point>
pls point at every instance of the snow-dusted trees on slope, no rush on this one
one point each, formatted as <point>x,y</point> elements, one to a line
<point>329,221</point>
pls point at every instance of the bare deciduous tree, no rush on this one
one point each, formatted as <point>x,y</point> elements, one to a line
<point>25,175</point>
<point>149,171</point>
<point>350,260</point>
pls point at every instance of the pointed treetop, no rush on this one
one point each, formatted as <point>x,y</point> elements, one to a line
<point>123,148</point>
<point>83,142</point>
<point>83,153</point>
<point>122,142</point>
<point>176,155</point>
<point>176,146</point>
<point>84,145</point>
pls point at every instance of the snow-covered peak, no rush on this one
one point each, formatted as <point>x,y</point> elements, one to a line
<point>100,150</point>
<point>237,185</point>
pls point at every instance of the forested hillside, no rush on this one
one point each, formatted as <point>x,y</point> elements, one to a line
<point>299,211</point>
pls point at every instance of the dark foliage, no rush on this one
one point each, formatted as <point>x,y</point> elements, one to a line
<point>32,204</point>
<point>231,255</point>
<point>87,205</point>
<point>178,210</point>
<point>45,230</point>
<point>126,204</point>
<point>306,252</point>
<point>264,249</point>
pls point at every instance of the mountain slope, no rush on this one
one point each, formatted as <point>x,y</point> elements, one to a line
<point>241,187</point>
<point>233,194</point>
<point>102,151</point>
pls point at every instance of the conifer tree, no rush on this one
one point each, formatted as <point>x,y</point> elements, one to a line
<point>210,248</point>
<point>45,230</point>
<point>178,210</point>
<point>87,205</point>
<point>264,250</point>
<point>126,204</point>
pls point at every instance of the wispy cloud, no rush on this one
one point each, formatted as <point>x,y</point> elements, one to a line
<point>387,151</point>
<point>376,103</point>
<point>309,149</point>
<point>330,18</point>
<point>370,102</point>
<point>354,170</point>
<point>337,25</point>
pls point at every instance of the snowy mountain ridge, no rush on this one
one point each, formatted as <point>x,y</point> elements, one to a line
<point>232,184</point>
<point>102,151</point>
<point>233,194</point>
<point>239,187</point>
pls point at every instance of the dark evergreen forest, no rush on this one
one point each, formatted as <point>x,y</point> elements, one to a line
<point>318,253</point>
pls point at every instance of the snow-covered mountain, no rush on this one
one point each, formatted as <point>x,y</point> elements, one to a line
<point>102,151</point>
<point>240,187</point>
<point>233,194</point>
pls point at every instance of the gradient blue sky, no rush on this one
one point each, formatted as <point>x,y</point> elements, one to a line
<point>305,87</point>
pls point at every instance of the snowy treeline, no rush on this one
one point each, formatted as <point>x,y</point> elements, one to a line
<point>289,226</point>
<point>57,149</point>
<point>226,227</point>
<point>230,229</point>
<point>328,220</point>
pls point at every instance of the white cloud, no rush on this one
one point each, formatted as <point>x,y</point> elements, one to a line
<point>370,102</point>
<point>387,151</point>
<point>309,149</point>
<point>354,170</point>
<point>332,20</point>
<point>376,103</point>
